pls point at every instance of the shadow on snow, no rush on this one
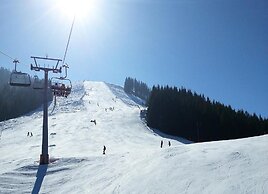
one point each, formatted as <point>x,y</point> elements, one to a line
<point>41,173</point>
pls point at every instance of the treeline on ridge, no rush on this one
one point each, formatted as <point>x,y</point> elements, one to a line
<point>16,101</point>
<point>137,88</point>
<point>181,112</point>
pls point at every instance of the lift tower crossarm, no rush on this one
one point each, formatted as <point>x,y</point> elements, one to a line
<point>48,59</point>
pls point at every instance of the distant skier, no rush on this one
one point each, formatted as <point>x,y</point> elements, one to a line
<point>94,121</point>
<point>31,134</point>
<point>169,144</point>
<point>104,149</point>
<point>161,145</point>
<point>28,134</point>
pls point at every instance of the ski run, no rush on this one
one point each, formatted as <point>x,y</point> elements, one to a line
<point>98,114</point>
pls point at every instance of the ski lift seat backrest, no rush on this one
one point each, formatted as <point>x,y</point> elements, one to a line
<point>19,79</point>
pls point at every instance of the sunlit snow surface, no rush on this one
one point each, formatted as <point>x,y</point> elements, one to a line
<point>134,161</point>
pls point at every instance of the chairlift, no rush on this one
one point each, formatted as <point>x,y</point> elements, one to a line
<point>61,87</point>
<point>19,78</point>
<point>38,83</point>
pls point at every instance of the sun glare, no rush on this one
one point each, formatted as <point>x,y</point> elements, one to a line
<point>77,8</point>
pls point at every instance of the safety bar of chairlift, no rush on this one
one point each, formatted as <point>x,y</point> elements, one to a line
<point>68,87</point>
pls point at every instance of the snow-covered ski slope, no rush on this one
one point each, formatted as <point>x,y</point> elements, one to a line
<point>134,161</point>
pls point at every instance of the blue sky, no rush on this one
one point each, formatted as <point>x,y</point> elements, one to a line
<point>215,47</point>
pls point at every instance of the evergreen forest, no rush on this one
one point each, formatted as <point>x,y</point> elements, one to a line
<point>16,101</point>
<point>184,113</point>
<point>137,88</point>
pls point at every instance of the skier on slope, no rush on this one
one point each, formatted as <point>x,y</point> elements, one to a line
<point>104,149</point>
<point>94,121</point>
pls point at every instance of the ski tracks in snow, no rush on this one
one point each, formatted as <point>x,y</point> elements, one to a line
<point>134,161</point>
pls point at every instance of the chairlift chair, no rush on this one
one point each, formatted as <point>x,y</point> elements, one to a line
<point>38,83</point>
<point>19,79</point>
<point>61,87</point>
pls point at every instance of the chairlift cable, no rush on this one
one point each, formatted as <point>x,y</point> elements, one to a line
<point>7,55</point>
<point>17,78</point>
<point>66,49</point>
<point>13,59</point>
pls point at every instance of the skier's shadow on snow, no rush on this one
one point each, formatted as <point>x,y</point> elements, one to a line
<point>41,173</point>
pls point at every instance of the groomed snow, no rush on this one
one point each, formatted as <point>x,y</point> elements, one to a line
<point>134,161</point>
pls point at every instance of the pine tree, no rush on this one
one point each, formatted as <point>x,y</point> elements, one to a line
<point>137,88</point>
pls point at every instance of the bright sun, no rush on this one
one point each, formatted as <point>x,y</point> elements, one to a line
<point>77,8</point>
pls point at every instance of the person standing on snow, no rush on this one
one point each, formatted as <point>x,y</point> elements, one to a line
<point>161,145</point>
<point>104,149</point>
<point>169,144</point>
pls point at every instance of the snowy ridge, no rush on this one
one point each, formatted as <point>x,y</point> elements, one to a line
<point>134,161</point>
<point>129,99</point>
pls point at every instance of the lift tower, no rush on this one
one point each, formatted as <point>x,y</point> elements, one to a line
<point>44,157</point>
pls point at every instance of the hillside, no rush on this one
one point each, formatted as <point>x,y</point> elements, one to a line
<point>134,161</point>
